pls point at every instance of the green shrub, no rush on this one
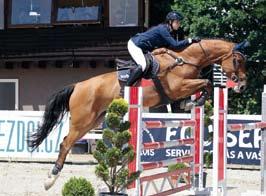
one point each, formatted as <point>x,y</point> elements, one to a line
<point>114,153</point>
<point>176,166</point>
<point>78,187</point>
<point>208,159</point>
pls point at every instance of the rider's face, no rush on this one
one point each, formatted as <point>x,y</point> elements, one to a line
<point>175,24</point>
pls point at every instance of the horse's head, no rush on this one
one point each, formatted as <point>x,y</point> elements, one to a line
<point>234,66</point>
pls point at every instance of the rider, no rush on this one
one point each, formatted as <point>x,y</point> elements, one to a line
<point>163,35</point>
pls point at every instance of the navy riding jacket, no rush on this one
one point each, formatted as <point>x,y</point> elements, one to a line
<point>158,37</point>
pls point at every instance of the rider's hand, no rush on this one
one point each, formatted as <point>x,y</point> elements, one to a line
<point>194,40</point>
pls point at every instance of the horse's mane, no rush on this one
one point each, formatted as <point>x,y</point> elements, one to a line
<point>203,39</point>
<point>216,38</point>
<point>209,39</point>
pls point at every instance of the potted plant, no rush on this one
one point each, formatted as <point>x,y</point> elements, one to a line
<point>78,186</point>
<point>174,167</point>
<point>113,153</point>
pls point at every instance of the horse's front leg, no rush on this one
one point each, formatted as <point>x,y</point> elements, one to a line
<point>192,86</point>
<point>205,94</point>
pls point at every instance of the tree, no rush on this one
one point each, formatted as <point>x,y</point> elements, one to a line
<point>158,10</point>
<point>113,153</point>
<point>235,21</point>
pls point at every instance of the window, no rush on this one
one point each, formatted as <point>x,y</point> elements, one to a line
<point>78,10</point>
<point>1,14</point>
<point>9,94</point>
<point>29,12</point>
<point>123,13</point>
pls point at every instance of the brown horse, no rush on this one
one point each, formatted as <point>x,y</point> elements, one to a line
<point>87,100</point>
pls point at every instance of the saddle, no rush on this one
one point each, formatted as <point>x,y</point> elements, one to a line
<point>124,68</point>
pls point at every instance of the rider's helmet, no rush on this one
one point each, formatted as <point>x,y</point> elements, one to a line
<point>173,15</point>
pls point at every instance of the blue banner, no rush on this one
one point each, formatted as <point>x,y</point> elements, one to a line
<point>243,147</point>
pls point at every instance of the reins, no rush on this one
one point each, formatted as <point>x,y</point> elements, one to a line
<point>180,61</point>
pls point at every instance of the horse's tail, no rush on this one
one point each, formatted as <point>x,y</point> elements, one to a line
<point>55,110</point>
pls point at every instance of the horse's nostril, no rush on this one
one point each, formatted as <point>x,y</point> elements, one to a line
<point>242,88</point>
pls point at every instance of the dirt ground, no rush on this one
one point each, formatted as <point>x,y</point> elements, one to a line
<point>26,179</point>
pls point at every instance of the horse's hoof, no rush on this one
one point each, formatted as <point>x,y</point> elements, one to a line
<point>49,182</point>
<point>189,106</point>
<point>182,104</point>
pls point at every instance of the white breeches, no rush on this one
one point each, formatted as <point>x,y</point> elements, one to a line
<point>137,54</point>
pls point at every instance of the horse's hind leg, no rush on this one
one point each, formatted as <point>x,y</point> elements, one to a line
<point>75,133</point>
<point>65,146</point>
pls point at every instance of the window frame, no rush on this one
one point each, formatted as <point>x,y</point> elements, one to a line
<point>9,18</point>
<point>2,3</point>
<point>121,26</point>
<point>16,81</point>
<point>71,22</point>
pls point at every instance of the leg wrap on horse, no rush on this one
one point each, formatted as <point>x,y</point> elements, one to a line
<point>203,97</point>
<point>56,169</point>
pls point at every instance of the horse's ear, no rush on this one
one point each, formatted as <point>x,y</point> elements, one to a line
<point>242,46</point>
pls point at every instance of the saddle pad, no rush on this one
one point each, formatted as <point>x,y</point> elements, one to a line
<point>123,75</point>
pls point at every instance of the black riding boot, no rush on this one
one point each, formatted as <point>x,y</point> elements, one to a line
<point>135,75</point>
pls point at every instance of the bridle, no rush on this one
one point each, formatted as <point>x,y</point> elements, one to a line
<point>236,64</point>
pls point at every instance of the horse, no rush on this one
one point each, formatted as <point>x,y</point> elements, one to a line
<point>87,101</point>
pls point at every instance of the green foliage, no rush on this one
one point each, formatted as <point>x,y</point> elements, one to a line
<point>112,120</point>
<point>208,157</point>
<point>115,113</point>
<point>119,107</point>
<point>114,158</point>
<point>208,112</point>
<point>176,166</point>
<point>78,187</point>
<point>158,10</point>
<point>234,21</point>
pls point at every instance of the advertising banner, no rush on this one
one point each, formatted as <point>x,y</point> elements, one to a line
<point>15,128</point>
<point>243,147</point>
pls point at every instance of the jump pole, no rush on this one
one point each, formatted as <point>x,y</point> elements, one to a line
<point>134,97</point>
<point>220,134</point>
<point>263,144</point>
<point>197,113</point>
<point>220,130</point>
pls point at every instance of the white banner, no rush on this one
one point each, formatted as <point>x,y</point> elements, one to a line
<point>15,126</point>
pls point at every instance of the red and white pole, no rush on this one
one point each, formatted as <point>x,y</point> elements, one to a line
<point>219,131</point>
<point>134,97</point>
<point>219,140</point>
<point>263,144</point>
<point>197,114</point>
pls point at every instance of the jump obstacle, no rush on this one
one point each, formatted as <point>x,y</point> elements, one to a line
<point>194,159</point>
<point>220,134</point>
<point>134,94</point>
